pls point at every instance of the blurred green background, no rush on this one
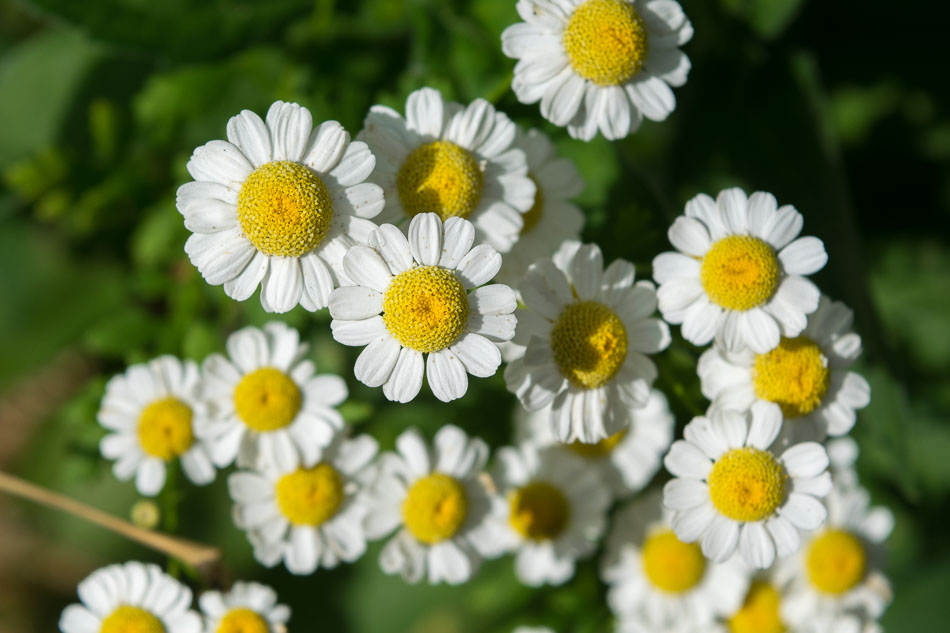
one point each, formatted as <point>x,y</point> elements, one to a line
<point>840,108</point>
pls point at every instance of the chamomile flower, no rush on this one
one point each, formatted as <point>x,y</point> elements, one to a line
<point>412,298</point>
<point>628,459</point>
<point>249,607</point>
<point>133,597</point>
<point>277,205</point>
<point>587,332</point>
<point>268,406</point>
<point>554,218</point>
<point>155,414</point>
<point>555,511</point>
<point>438,500</point>
<point>452,160</point>
<point>732,490</point>
<point>599,64</point>
<point>307,516</point>
<point>656,578</point>
<point>739,275</point>
<point>807,376</point>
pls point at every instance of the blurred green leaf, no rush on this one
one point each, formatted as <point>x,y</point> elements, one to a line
<point>767,17</point>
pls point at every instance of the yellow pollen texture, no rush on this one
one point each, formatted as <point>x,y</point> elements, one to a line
<point>435,508</point>
<point>759,612</point>
<point>794,375</point>
<point>267,399</point>
<point>606,41</point>
<point>533,216</point>
<point>440,177</point>
<point>603,448</point>
<point>836,562</point>
<point>538,511</point>
<point>128,619</point>
<point>426,308</point>
<point>589,343</point>
<point>284,209</point>
<point>747,484</point>
<point>740,272</point>
<point>164,428</point>
<point>242,621</point>
<point>672,565</point>
<point>310,496</point>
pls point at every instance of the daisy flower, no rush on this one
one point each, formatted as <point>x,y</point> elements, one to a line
<point>453,160</point>
<point>807,376</point>
<point>554,218</point>
<point>556,511</point>
<point>731,490</point>
<point>155,414</point>
<point>739,275</point>
<point>268,406</point>
<point>412,298</point>
<point>656,578</point>
<point>277,205</point>
<point>599,64</point>
<point>438,500</point>
<point>625,461</point>
<point>131,597</point>
<point>307,516</point>
<point>249,607</point>
<point>587,332</point>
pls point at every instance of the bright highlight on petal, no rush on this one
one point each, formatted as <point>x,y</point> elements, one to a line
<point>164,428</point>
<point>672,565</point>
<point>435,508</point>
<point>243,621</point>
<point>310,496</point>
<point>794,375</point>
<point>538,511</point>
<point>747,484</point>
<point>836,562</point>
<point>599,449</point>
<point>426,308</point>
<point>128,619</point>
<point>267,399</point>
<point>740,272</point>
<point>589,343</point>
<point>440,177</point>
<point>606,41</point>
<point>760,612</point>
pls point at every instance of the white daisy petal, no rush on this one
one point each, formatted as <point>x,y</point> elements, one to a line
<point>446,375</point>
<point>479,266</point>
<point>406,379</point>
<point>756,546</point>
<point>425,238</point>
<point>480,357</point>
<point>248,132</point>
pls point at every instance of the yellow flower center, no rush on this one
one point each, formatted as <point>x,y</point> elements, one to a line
<point>759,612</point>
<point>128,619</point>
<point>836,562</point>
<point>164,428</point>
<point>267,399</point>
<point>589,343</point>
<point>310,496</point>
<point>435,508</point>
<point>538,511</point>
<point>606,41</point>
<point>533,216</point>
<point>284,209</point>
<point>440,177</point>
<point>740,272</point>
<point>672,565</point>
<point>598,449</point>
<point>426,308</point>
<point>794,375</point>
<point>243,621</point>
<point>747,484</point>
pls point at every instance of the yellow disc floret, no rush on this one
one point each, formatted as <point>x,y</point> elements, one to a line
<point>836,562</point>
<point>126,619</point>
<point>589,343</point>
<point>426,308</point>
<point>440,177</point>
<point>740,272</point>
<point>267,399</point>
<point>672,565</point>
<point>164,428</point>
<point>747,484</point>
<point>606,41</point>
<point>538,511</point>
<point>243,620</point>
<point>310,496</point>
<point>533,216</point>
<point>794,375</point>
<point>759,612</point>
<point>435,508</point>
<point>284,209</point>
<point>598,449</point>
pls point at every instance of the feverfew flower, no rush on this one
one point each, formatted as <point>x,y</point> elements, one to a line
<point>423,296</point>
<point>739,275</point>
<point>587,332</point>
<point>249,607</point>
<point>438,500</point>
<point>599,64</point>
<point>732,491</point>
<point>277,205</point>
<point>452,160</point>
<point>155,414</point>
